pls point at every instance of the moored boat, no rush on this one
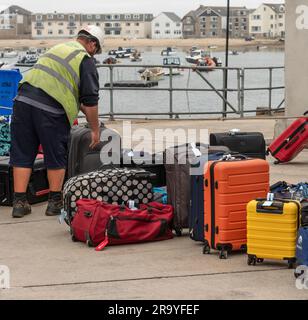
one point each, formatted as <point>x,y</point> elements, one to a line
<point>153,74</point>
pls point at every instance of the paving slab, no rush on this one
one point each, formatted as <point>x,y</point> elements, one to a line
<point>45,263</point>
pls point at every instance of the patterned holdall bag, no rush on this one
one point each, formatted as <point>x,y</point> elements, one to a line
<point>114,186</point>
<point>5,137</point>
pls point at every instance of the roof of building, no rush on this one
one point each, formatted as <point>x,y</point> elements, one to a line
<point>276,6</point>
<point>13,9</point>
<point>172,16</point>
<point>221,11</point>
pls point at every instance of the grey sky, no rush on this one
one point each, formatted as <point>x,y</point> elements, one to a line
<point>179,7</point>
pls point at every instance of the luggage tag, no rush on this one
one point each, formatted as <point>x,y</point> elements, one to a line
<point>233,132</point>
<point>62,216</point>
<point>195,150</point>
<point>131,205</point>
<point>270,200</point>
<point>103,244</point>
<point>131,154</point>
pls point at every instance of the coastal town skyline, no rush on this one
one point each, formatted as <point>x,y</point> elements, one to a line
<point>180,7</point>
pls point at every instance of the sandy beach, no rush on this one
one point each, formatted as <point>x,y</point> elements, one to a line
<point>142,43</point>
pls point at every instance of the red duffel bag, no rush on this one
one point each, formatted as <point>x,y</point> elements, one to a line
<point>101,224</point>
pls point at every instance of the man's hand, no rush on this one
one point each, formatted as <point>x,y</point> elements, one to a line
<point>92,118</point>
<point>95,138</point>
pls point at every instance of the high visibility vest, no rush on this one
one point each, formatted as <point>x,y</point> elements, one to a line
<point>57,73</point>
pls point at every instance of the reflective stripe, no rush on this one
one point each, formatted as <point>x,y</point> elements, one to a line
<point>39,105</point>
<point>58,77</point>
<point>73,55</point>
<point>66,65</point>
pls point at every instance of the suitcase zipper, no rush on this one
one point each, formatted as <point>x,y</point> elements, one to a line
<point>213,225</point>
<point>286,141</point>
<point>105,243</point>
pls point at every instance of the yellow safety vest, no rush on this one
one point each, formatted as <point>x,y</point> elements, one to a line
<point>57,73</point>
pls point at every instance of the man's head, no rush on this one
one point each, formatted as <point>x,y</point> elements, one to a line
<point>92,38</point>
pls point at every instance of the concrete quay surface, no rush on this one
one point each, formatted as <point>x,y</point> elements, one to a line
<point>45,264</point>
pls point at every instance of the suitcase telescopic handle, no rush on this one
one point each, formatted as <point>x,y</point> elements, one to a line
<point>276,207</point>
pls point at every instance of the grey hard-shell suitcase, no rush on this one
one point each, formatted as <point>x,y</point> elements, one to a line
<point>82,159</point>
<point>182,163</point>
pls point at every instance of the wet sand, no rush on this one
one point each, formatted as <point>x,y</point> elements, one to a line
<point>142,43</point>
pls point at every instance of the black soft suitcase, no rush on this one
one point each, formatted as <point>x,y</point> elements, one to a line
<point>153,163</point>
<point>304,214</point>
<point>250,144</point>
<point>82,159</point>
<point>182,163</point>
<point>117,185</point>
<point>38,189</point>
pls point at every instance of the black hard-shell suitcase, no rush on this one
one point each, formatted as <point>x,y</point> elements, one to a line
<point>250,144</point>
<point>38,189</point>
<point>117,186</point>
<point>153,163</point>
<point>182,163</point>
<point>82,159</point>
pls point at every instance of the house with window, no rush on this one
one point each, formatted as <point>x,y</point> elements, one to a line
<point>167,25</point>
<point>15,22</point>
<point>55,25</point>
<point>209,22</point>
<point>116,25</point>
<point>268,21</point>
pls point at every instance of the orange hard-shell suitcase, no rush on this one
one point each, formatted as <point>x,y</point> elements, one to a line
<point>230,184</point>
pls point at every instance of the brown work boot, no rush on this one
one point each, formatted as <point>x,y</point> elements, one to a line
<point>20,208</point>
<point>55,204</point>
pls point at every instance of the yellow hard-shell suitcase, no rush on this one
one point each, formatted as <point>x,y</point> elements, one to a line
<point>272,230</point>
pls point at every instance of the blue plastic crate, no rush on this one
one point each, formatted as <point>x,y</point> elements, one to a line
<point>9,80</point>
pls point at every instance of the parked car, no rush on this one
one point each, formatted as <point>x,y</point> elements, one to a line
<point>250,38</point>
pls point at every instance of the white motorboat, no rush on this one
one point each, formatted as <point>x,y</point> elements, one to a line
<point>9,53</point>
<point>124,53</point>
<point>199,55</point>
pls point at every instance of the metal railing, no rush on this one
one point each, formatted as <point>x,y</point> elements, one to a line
<point>241,90</point>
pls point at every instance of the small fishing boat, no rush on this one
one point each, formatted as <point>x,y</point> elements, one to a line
<point>153,74</point>
<point>207,62</point>
<point>201,54</point>
<point>174,62</point>
<point>136,56</point>
<point>168,52</point>
<point>110,60</point>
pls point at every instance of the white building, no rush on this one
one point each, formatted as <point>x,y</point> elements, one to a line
<point>167,25</point>
<point>268,20</point>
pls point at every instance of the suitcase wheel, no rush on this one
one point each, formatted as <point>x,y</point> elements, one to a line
<point>260,260</point>
<point>73,238</point>
<point>89,243</point>
<point>252,260</point>
<point>206,249</point>
<point>267,153</point>
<point>178,231</point>
<point>277,162</point>
<point>291,264</point>
<point>223,254</point>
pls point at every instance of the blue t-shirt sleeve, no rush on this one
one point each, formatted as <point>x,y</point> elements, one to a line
<point>89,83</point>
